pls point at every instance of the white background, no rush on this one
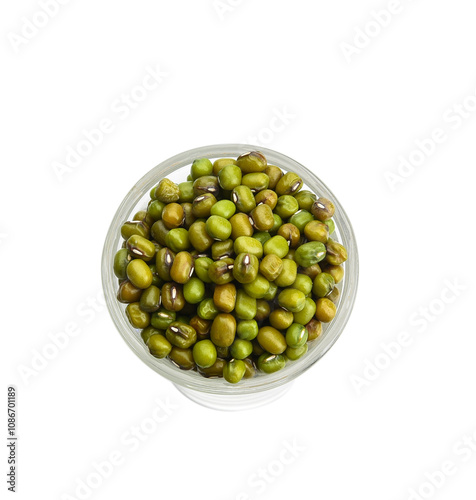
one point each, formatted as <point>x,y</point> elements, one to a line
<point>349,119</point>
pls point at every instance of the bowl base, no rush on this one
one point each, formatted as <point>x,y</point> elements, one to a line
<point>236,402</point>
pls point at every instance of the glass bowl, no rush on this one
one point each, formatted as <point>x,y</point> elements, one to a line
<point>216,392</point>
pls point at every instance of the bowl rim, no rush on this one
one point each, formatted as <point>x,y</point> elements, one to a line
<point>191,379</point>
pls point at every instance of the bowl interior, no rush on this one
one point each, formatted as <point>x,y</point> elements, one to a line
<point>177,168</point>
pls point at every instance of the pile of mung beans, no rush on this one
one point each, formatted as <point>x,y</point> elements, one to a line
<point>233,271</point>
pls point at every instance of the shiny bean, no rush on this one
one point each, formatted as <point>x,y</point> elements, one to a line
<point>291,234</point>
<point>245,268</point>
<point>314,329</point>
<point>140,247</point>
<point>224,297</point>
<point>289,184</point>
<point>172,297</point>
<point>159,232</point>
<point>262,217</point>
<point>163,263</point>
<point>243,198</point>
<point>246,244</point>
<point>325,310</point>
<point>230,177</point>
<point>139,273</point>
<point>271,340</point>
<point>167,191</point>
<point>214,371</point>
<point>240,226</point>
<point>121,261</point>
<point>222,249</point>
<point>202,265</point>
<point>177,239</point>
<point>258,287</point>
<point>262,236</point>
<point>147,332</point>
<point>182,268</point>
<point>221,163</point>
<point>323,285</point>
<point>277,223</point>
<point>253,161</point>
<point>136,316</point>
<point>183,358</point>
<point>296,335</point>
<point>305,199</point>
<point>207,184</point>
<point>247,329</point>
<point>202,205</point>
<point>201,167</point>
<point>173,215</point>
<point>271,267</point>
<point>316,231</point>
<point>286,206</point>
<point>267,197</point>
<point>241,349</point>
<point>159,346</point>
<point>218,227</point>
<point>245,307</point>
<point>223,330</point>
<point>223,208</point>
<point>162,319</point>
<point>207,309</point>
<point>331,225</point>
<point>276,245</point>
<point>271,363</point>
<point>131,228</point>
<point>155,209</point>
<point>234,371</point>
<point>336,254</point>
<point>199,237</point>
<point>303,283</point>
<point>181,335</point>
<point>204,353</point>
<point>322,209</point>
<point>292,300</point>
<point>281,319</point>
<point>194,290</point>
<point>310,253</point>
<point>294,354</point>
<point>256,181</point>
<point>307,313</point>
<point>150,299</point>
<point>202,327</point>
<point>221,271</point>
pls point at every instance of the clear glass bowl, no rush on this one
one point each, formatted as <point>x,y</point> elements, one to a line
<point>217,393</point>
